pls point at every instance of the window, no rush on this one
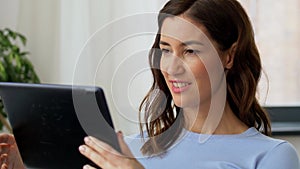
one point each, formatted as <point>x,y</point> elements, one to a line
<point>276,25</point>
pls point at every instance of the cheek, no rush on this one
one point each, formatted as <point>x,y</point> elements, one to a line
<point>198,70</point>
<point>162,68</point>
<point>163,65</point>
<point>201,79</point>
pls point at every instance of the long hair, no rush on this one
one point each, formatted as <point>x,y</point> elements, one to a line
<point>227,23</point>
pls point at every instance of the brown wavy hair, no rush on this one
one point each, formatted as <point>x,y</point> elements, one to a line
<point>227,23</point>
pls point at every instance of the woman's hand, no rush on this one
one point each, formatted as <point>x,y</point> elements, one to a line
<point>10,157</point>
<point>106,157</point>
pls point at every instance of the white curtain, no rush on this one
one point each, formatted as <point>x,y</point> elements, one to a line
<point>276,25</point>
<point>57,30</point>
<point>68,40</point>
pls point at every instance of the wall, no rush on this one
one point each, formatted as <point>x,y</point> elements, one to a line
<point>9,13</point>
<point>295,140</point>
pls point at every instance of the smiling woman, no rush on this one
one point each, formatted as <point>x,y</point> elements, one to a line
<point>205,67</point>
<point>189,76</point>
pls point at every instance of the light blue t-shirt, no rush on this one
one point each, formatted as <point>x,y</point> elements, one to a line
<point>249,150</point>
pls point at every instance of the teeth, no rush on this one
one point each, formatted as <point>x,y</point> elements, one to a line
<point>179,85</point>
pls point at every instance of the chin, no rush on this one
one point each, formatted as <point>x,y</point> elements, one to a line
<point>180,103</point>
<point>185,99</point>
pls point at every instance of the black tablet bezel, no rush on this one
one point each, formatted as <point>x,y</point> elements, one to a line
<point>24,102</point>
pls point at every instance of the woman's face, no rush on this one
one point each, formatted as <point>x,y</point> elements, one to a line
<point>187,52</point>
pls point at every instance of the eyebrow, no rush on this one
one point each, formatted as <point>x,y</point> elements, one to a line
<point>191,42</point>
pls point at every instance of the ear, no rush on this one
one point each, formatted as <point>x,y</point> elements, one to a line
<point>229,58</point>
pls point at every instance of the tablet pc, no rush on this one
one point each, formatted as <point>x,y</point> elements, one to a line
<point>50,121</point>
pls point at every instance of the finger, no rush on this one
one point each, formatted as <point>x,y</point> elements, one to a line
<point>88,167</point>
<point>92,155</point>
<point>7,138</point>
<point>3,158</point>
<point>11,139</point>
<point>4,137</point>
<point>124,147</point>
<point>4,166</point>
<point>4,148</point>
<point>100,146</point>
<point>111,156</point>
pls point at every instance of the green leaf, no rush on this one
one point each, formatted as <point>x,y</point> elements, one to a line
<point>18,63</point>
<point>3,75</point>
<point>12,34</point>
<point>24,53</point>
<point>22,38</point>
<point>16,49</point>
<point>6,44</point>
<point>14,64</point>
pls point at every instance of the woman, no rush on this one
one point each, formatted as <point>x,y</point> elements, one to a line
<point>203,50</point>
<point>187,75</point>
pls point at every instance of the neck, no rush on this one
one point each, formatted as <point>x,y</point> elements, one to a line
<point>196,121</point>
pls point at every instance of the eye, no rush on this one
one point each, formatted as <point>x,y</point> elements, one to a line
<point>165,51</point>
<point>191,52</point>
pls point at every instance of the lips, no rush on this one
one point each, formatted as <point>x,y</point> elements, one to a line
<point>179,86</point>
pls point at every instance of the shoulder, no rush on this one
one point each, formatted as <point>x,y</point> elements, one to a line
<point>268,152</point>
<point>281,154</point>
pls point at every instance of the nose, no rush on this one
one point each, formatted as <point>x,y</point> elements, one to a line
<point>172,65</point>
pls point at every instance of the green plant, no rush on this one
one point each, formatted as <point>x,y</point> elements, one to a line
<point>14,64</point>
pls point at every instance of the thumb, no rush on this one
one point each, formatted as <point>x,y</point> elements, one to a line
<point>124,147</point>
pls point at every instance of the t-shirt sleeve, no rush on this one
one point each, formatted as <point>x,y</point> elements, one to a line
<point>282,156</point>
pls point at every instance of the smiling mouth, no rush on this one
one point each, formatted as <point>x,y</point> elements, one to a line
<point>179,87</point>
<point>180,84</point>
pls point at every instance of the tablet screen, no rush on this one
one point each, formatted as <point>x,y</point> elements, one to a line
<point>50,121</point>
